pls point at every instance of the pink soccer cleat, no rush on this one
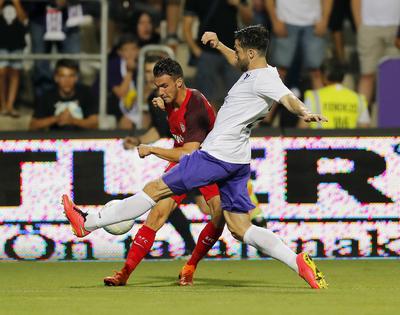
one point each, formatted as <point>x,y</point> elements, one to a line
<point>75,216</point>
<point>309,272</point>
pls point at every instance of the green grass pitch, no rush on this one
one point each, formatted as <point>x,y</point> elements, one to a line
<point>221,287</point>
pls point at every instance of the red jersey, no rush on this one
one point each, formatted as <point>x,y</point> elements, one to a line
<point>192,121</point>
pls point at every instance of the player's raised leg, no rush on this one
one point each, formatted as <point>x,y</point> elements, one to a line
<point>143,241</point>
<point>207,238</point>
<point>83,223</point>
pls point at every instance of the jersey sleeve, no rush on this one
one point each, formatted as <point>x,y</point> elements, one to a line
<point>271,86</point>
<point>197,122</point>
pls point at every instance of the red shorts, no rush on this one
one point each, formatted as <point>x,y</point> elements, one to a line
<point>208,191</point>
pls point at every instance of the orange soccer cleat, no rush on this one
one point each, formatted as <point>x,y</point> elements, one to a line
<point>309,272</point>
<point>186,275</point>
<point>118,279</point>
<point>75,216</point>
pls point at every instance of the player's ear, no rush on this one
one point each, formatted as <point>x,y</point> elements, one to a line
<point>179,82</point>
<point>251,53</point>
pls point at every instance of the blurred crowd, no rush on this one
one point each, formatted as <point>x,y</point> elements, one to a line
<point>327,52</point>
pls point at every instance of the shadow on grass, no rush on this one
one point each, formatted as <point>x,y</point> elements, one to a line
<point>204,283</point>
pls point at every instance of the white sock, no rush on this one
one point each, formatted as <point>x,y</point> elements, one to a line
<point>268,243</point>
<point>128,209</point>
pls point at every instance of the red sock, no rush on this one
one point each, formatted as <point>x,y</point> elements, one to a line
<point>140,246</point>
<point>207,238</point>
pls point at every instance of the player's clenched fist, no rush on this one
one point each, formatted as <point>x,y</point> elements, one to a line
<point>144,150</point>
<point>158,102</point>
<point>130,143</point>
<point>210,37</point>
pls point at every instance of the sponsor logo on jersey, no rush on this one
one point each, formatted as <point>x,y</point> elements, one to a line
<point>178,138</point>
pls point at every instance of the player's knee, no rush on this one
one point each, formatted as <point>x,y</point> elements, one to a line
<point>156,189</point>
<point>151,190</point>
<point>236,232</point>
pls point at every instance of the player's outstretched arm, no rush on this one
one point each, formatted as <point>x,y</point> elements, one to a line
<point>212,39</point>
<point>149,136</point>
<point>172,155</point>
<point>293,104</point>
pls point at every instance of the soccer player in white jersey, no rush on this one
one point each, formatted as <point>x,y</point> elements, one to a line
<point>224,157</point>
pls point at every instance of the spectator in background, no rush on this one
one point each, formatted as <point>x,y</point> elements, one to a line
<point>144,29</point>
<point>341,11</point>
<point>121,84</point>
<point>12,40</point>
<point>376,23</point>
<point>173,13</point>
<point>260,14</point>
<point>342,107</point>
<point>47,25</point>
<point>302,23</point>
<point>121,13</point>
<point>220,16</point>
<point>69,106</point>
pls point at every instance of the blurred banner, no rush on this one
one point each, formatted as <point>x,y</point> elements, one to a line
<point>331,196</point>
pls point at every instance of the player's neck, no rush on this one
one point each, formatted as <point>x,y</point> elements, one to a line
<point>180,97</point>
<point>258,63</point>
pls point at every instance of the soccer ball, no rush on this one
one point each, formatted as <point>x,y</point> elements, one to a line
<point>120,227</point>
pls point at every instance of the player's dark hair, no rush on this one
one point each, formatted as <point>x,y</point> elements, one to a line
<point>67,63</point>
<point>333,70</point>
<point>254,37</point>
<point>168,66</point>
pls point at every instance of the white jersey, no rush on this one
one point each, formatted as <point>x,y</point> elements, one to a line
<point>247,102</point>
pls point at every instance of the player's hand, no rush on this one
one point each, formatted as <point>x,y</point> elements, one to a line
<point>314,118</point>
<point>144,150</point>
<point>158,102</point>
<point>130,143</point>
<point>320,28</point>
<point>211,38</point>
<point>279,28</point>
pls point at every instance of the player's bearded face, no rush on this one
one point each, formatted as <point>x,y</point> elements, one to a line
<point>242,58</point>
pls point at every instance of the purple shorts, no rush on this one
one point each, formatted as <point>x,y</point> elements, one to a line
<point>201,169</point>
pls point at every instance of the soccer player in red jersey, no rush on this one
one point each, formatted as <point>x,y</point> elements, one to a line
<point>190,118</point>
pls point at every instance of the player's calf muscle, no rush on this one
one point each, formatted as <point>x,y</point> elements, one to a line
<point>156,219</point>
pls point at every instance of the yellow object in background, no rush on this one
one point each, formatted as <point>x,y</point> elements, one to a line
<point>256,213</point>
<point>130,99</point>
